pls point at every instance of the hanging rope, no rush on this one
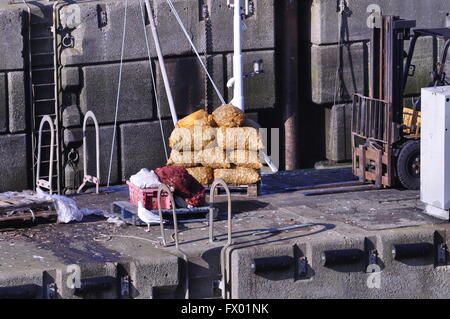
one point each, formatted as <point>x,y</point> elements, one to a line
<point>154,82</point>
<point>177,17</point>
<point>339,55</point>
<point>118,91</point>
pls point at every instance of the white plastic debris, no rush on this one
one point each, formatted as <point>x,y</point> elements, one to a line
<point>116,221</point>
<point>145,179</point>
<point>66,208</point>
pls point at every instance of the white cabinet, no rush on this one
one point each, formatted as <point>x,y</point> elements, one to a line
<point>435,151</point>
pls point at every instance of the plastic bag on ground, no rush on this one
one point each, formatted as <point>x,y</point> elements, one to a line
<point>145,179</point>
<point>66,208</point>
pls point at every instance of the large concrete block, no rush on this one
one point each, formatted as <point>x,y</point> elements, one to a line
<point>259,91</point>
<point>260,31</point>
<point>11,40</point>
<point>72,115</point>
<point>349,76</point>
<point>141,145</point>
<point>187,82</point>
<point>173,40</point>
<point>3,104</point>
<point>149,274</point>
<point>423,59</point>
<point>441,48</point>
<point>16,98</point>
<point>74,138</point>
<point>13,156</point>
<point>97,42</point>
<point>338,132</point>
<point>324,17</point>
<point>71,78</point>
<point>99,92</point>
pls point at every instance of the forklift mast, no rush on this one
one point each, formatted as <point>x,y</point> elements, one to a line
<point>378,118</point>
<point>387,69</point>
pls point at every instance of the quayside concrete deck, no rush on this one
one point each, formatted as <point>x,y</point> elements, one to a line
<point>124,262</point>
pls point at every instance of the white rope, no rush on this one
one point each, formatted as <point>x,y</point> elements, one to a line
<point>177,17</point>
<point>118,92</point>
<point>154,82</point>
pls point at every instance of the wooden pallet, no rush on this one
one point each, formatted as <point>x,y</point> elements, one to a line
<point>128,213</point>
<point>247,190</point>
<point>24,205</point>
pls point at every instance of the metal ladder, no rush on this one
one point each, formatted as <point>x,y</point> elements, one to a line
<point>44,48</point>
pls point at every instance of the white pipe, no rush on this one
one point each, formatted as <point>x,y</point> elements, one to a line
<point>238,95</point>
<point>162,66</point>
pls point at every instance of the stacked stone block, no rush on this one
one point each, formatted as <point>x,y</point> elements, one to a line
<point>90,78</point>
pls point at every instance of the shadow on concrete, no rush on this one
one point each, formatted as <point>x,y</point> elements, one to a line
<point>261,239</point>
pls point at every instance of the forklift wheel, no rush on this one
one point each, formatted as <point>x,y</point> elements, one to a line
<point>408,165</point>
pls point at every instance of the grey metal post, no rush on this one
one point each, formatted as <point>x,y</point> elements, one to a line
<point>161,62</point>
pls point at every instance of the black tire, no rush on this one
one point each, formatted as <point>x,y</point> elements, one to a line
<point>408,165</point>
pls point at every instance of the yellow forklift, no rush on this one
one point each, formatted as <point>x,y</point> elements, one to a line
<point>385,134</point>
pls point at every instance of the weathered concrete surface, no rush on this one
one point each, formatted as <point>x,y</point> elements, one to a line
<point>327,77</point>
<point>71,78</point>
<point>13,152</point>
<point>324,17</point>
<point>3,103</point>
<point>16,102</point>
<point>74,137</point>
<point>259,91</point>
<point>97,43</point>
<point>367,220</point>
<point>260,32</point>
<point>99,93</point>
<point>338,132</point>
<point>11,40</point>
<point>90,74</point>
<point>92,39</point>
<point>47,261</point>
<point>141,146</point>
<point>187,83</point>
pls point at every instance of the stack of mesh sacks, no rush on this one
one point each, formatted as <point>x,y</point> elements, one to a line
<point>222,145</point>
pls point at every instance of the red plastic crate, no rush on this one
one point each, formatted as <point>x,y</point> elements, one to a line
<point>148,197</point>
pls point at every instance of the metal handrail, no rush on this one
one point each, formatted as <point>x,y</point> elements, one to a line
<point>165,188</point>
<point>43,183</point>
<point>223,260</point>
<point>88,178</point>
<point>215,184</point>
